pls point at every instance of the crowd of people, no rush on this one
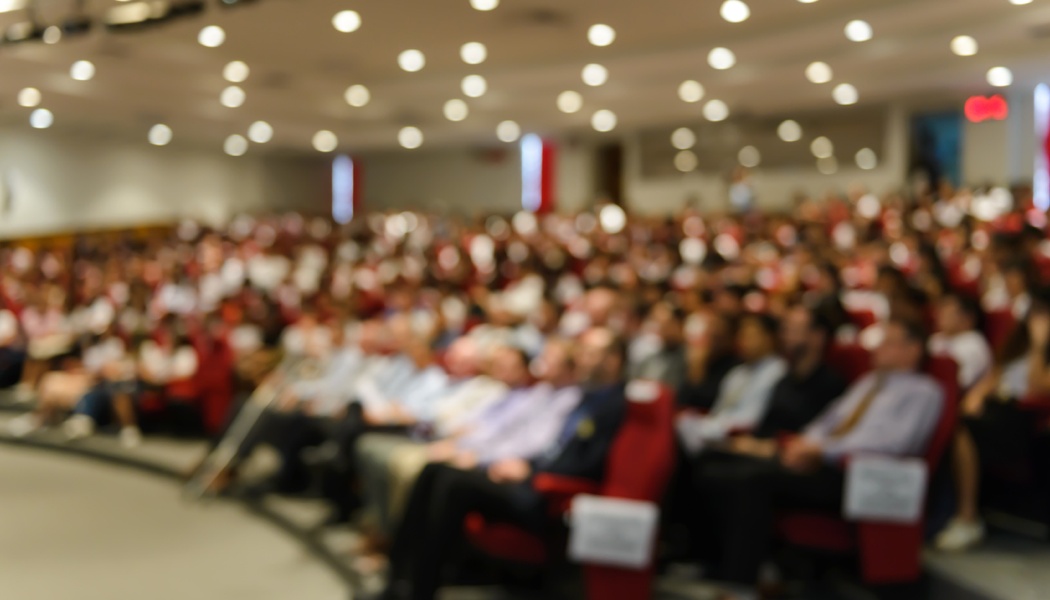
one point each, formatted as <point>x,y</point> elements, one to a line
<point>456,359</point>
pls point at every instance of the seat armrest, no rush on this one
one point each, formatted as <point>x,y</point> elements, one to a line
<point>560,490</point>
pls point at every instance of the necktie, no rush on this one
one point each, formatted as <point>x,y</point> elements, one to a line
<point>850,423</point>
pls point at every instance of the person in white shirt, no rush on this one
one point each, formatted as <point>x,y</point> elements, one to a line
<point>958,338</point>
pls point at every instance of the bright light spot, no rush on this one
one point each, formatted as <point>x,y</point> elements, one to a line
<point>473,53</point>
<point>508,131</point>
<point>346,21</point>
<point>716,110</point>
<point>603,120</point>
<point>828,165</point>
<point>595,75</point>
<point>686,161</point>
<point>612,218</point>
<point>1020,2</point>
<point>484,4</point>
<point>683,138</point>
<point>964,45</point>
<point>160,135</point>
<point>410,137</point>
<point>807,1</point>
<point>211,36</point>
<point>29,97</point>
<point>474,86</point>
<point>41,118</point>
<point>235,145</point>
<point>750,157</point>
<point>735,11</point>
<point>822,147</point>
<point>721,58</point>
<point>1000,76</point>
<point>342,189</point>
<point>601,35</point>
<point>819,72</point>
<point>232,97</point>
<point>357,96</point>
<point>325,141</point>
<point>52,35</point>
<point>456,110</point>
<point>693,250</point>
<point>412,60</point>
<point>236,71</point>
<point>260,132</point>
<point>82,70</point>
<point>866,159</point>
<point>790,131</point>
<point>691,91</point>
<point>858,31</point>
<point>570,102</point>
<point>845,94</point>
<point>531,172</point>
<point>11,5</point>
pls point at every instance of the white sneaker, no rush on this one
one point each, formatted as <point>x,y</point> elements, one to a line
<point>130,437</point>
<point>78,427</point>
<point>22,426</point>
<point>959,536</point>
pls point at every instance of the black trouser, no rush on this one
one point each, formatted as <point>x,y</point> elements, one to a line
<point>432,527</point>
<point>739,497</point>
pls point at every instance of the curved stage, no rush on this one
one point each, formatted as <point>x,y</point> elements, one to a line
<point>89,530</point>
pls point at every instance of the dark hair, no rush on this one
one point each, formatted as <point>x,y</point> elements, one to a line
<point>915,331</point>
<point>969,307</point>
<point>820,320</point>
<point>766,322</point>
<point>618,348</point>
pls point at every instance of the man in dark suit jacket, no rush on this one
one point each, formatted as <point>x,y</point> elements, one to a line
<point>444,495</point>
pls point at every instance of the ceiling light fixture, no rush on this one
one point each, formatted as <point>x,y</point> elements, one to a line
<point>211,36</point>
<point>456,110</point>
<point>570,102</point>
<point>866,159</point>
<point>601,35</point>
<point>29,97</point>
<point>41,118</point>
<point>357,96</point>
<point>160,135</point>
<point>11,5</point>
<point>790,131</point>
<point>735,11</point>
<point>52,35</point>
<point>845,94</point>
<point>260,132</point>
<point>346,21</point>
<point>749,157</point>
<point>82,70</point>
<point>822,147</point>
<point>484,5</point>
<point>1000,77</point>
<point>964,45</point>
<point>721,58</point>
<point>691,91</point>
<point>604,121</point>
<point>595,75</point>
<point>683,138</point>
<point>819,72</point>
<point>473,53</point>
<point>474,86</point>
<point>716,110</point>
<point>410,137</point>
<point>686,161</point>
<point>858,31</point>
<point>235,145</point>
<point>232,97</point>
<point>412,60</point>
<point>325,141</point>
<point>508,132</point>
<point>236,71</point>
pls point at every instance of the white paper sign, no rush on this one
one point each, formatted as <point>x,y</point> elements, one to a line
<point>614,532</point>
<point>885,489</point>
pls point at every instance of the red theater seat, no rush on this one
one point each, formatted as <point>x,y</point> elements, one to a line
<point>862,318</point>
<point>638,468</point>
<point>997,326</point>
<point>888,552</point>
<point>852,361</point>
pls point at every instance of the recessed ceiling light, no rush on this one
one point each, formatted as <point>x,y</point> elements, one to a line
<point>570,102</point>
<point>822,147</point>
<point>1020,2</point>
<point>29,97</point>
<point>211,36</point>
<point>473,53</point>
<point>819,72</point>
<point>508,131</point>
<point>52,35</point>
<point>41,118</point>
<point>236,71</point>
<point>721,58</point>
<point>807,1</point>
<point>858,31</point>
<point>845,94</point>
<point>160,135</point>
<point>686,161</point>
<point>235,145</point>
<point>412,60</point>
<point>828,165</point>
<point>749,157</point>
<point>325,141</point>
<point>410,137</point>
<point>683,138</point>
<point>456,110</point>
<point>866,159</point>
<point>232,97</point>
<point>346,21</point>
<point>790,131</point>
<point>595,75</point>
<point>604,120</point>
<point>11,5</point>
<point>82,70</point>
<point>964,45</point>
<point>1000,76</point>
<point>735,11</point>
<point>357,96</point>
<point>474,86</point>
<point>260,132</point>
<point>716,110</point>
<point>691,91</point>
<point>484,4</point>
<point>601,35</point>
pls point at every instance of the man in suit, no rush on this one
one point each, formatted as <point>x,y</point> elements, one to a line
<point>444,495</point>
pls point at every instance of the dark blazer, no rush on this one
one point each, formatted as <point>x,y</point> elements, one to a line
<point>594,425</point>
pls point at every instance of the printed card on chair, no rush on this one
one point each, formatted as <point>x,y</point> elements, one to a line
<point>611,531</point>
<point>885,489</point>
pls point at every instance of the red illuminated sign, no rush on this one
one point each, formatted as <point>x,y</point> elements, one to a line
<point>987,108</point>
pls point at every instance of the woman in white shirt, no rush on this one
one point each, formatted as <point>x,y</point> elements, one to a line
<point>958,338</point>
<point>169,365</point>
<point>995,430</point>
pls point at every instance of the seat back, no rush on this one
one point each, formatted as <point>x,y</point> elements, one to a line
<point>852,361</point>
<point>998,325</point>
<point>946,372</point>
<point>641,459</point>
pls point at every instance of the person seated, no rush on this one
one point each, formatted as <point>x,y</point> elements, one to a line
<point>959,337</point>
<point>444,495</point>
<point>744,395</point>
<point>892,411</point>
<point>48,334</point>
<point>112,397</point>
<point>995,430</point>
<point>657,354</point>
<point>709,356</point>
<point>12,347</point>
<point>167,366</point>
